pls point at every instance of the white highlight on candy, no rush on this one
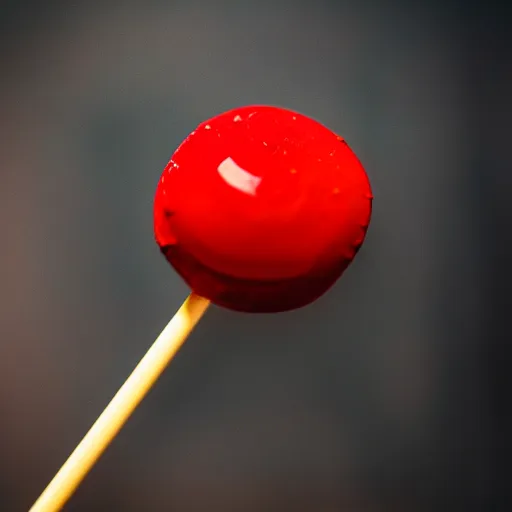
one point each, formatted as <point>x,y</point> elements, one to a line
<point>237,177</point>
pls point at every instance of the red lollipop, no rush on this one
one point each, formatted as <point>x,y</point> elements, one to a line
<point>261,209</point>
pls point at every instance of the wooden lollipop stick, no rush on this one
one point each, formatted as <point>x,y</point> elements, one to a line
<point>118,411</point>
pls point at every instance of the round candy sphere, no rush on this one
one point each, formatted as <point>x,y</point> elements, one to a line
<point>261,209</point>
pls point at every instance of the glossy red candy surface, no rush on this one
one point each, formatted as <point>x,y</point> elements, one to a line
<point>261,209</point>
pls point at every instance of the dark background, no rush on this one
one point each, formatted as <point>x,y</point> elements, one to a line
<point>386,394</point>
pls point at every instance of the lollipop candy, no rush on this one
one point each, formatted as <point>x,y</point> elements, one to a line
<point>260,209</point>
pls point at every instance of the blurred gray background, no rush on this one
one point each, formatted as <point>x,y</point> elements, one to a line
<point>383,395</point>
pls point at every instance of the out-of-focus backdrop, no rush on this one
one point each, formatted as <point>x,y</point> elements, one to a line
<point>384,394</point>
